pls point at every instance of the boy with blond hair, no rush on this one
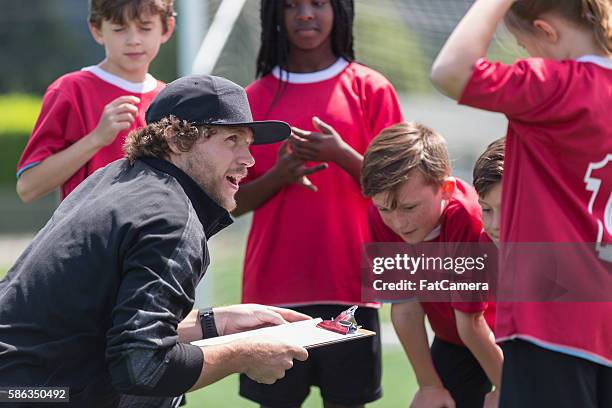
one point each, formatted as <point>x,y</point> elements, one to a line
<point>406,171</point>
<point>86,115</point>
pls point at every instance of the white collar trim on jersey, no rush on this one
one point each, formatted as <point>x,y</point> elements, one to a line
<point>597,59</point>
<point>148,85</point>
<point>311,77</point>
<point>435,233</point>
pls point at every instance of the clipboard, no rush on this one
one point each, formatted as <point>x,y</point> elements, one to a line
<point>305,333</point>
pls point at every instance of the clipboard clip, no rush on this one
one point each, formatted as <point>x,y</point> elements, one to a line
<point>344,323</point>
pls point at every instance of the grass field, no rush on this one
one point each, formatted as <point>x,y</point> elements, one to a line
<point>398,387</point>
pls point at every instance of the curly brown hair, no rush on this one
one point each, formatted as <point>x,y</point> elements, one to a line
<point>117,10</point>
<point>150,141</point>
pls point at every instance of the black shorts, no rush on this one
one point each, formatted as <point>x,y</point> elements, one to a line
<point>536,377</point>
<point>348,373</point>
<point>460,373</point>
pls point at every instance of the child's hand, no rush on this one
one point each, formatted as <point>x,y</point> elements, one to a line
<point>492,399</point>
<point>324,146</point>
<point>432,397</point>
<point>117,116</point>
<point>290,169</point>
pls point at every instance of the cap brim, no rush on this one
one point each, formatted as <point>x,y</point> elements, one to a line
<point>269,131</point>
<point>264,131</point>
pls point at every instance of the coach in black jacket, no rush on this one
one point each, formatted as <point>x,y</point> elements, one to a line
<point>101,301</point>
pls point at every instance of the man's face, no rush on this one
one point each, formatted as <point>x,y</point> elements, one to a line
<point>219,162</point>
<point>491,211</point>
<point>419,207</point>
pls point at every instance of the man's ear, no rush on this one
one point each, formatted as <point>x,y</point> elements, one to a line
<point>448,188</point>
<point>169,135</point>
<point>96,33</point>
<point>546,30</point>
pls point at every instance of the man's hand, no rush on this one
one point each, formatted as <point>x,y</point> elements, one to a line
<point>492,399</point>
<point>326,146</point>
<point>117,116</point>
<point>265,360</point>
<point>239,318</point>
<point>262,359</point>
<point>432,397</point>
<point>289,169</point>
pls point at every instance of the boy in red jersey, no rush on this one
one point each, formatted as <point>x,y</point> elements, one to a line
<point>86,115</point>
<point>406,171</point>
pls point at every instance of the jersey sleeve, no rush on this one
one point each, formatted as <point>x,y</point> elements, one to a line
<point>57,122</point>
<point>527,90</point>
<point>382,106</point>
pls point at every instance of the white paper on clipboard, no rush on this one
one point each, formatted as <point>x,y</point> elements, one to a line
<point>303,333</point>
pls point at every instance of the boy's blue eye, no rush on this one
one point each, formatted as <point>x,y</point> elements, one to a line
<point>118,29</point>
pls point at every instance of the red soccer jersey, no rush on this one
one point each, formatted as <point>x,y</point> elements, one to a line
<point>557,186</point>
<point>305,247</point>
<point>460,222</point>
<point>71,109</point>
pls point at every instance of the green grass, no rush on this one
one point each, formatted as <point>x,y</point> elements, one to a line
<point>398,388</point>
<point>19,112</point>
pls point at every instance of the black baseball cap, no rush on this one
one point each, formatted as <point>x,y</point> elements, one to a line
<point>212,100</point>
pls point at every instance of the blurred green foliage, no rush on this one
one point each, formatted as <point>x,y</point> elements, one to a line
<point>383,42</point>
<point>19,112</point>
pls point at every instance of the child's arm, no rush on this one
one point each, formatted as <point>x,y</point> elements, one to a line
<point>478,337</point>
<point>468,43</point>
<point>288,169</point>
<point>409,323</point>
<point>56,169</point>
<point>327,146</point>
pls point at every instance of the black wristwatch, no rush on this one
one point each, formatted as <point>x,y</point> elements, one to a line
<point>207,321</point>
